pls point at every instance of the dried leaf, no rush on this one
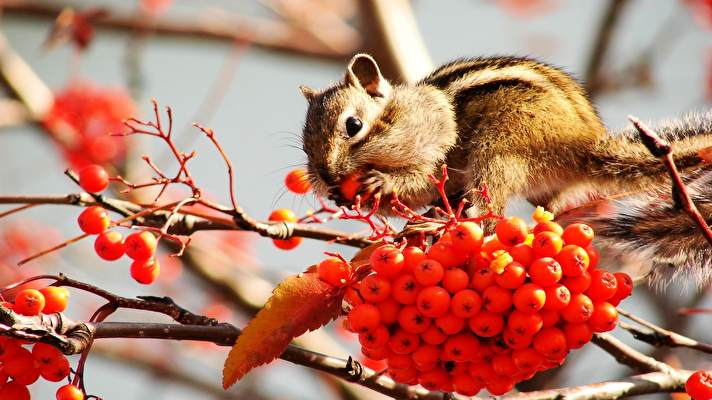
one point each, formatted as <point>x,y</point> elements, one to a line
<point>300,303</point>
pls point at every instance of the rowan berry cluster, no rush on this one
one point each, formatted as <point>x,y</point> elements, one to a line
<point>470,312</point>
<point>111,245</point>
<point>22,364</point>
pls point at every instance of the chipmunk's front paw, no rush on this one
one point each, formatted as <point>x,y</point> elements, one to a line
<point>337,197</point>
<point>374,182</point>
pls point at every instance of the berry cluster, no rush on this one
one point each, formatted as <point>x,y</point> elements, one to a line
<point>296,182</point>
<point>22,365</point>
<point>110,245</point>
<point>471,312</point>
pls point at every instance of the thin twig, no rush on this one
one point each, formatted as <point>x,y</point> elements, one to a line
<point>660,337</point>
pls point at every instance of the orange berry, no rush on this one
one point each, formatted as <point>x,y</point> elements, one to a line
<point>624,287</point>
<point>389,309</point>
<point>444,253</point>
<point>466,237</point>
<point>109,245</point>
<point>405,289</point>
<point>145,272</point>
<point>455,280</point>
<point>350,185</point>
<point>94,220</point>
<point>426,357</point>
<point>433,301</point>
<point>497,299</point>
<point>577,334</point>
<point>402,342</point>
<point>511,231</point>
<point>522,254</point>
<point>579,309</point>
<point>287,244</point>
<point>527,359</point>
<point>412,256</point>
<point>573,259</point>
<point>56,299</point>
<point>429,272</point>
<point>578,234</point>
<point>512,277</point>
<point>283,214</point>
<point>29,302</point>
<point>69,392</point>
<point>466,303</point>
<point>524,323</point>
<point>577,284</point>
<point>604,317</point>
<point>492,244</point>
<point>412,320</point>
<point>482,278</point>
<point>374,288</point>
<point>516,340</point>
<point>297,181</point>
<point>364,318</point>
<point>551,343</point>
<point>548,226</point>
<point>140,245</point>
<point>486,324</point>
<point>336,272</point>
<point>699,385</point>
<point>529,298</point>
<point>545,271</point>
<point>593,256</point>
<point>93,178</point>
<point>549,318</point>
<point>547,244</point>
<point>387,261</point>
<point>603,285</point>
<point>557,297</point>
<point>461,347</point>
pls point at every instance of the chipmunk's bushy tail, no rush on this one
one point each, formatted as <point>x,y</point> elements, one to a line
<point>646,228</point>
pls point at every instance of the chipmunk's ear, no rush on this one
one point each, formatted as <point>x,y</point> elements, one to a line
<point>363,72</point>
<point>308,92</point>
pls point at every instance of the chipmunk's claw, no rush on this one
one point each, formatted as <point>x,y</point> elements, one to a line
<point>374,182</point>
<point>418,228</point>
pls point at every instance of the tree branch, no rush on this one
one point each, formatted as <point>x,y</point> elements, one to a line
<point>660,337</point>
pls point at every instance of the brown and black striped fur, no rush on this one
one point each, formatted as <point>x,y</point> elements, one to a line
<point>523,127</point>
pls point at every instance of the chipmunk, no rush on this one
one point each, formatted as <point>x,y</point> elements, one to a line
<point>522,127</point>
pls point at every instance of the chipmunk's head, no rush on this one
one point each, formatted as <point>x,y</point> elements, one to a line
<point>365,125</point>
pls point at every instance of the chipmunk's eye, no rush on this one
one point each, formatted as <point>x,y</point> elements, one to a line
<point>353,126</point>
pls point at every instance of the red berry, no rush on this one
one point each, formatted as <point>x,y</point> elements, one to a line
<point>497,299</point>
<point>465,384</point>
<point>29,302</point>
<point>402,342</point>
<point>482,278</point>
<point>434,335</point>
<point>548,226</point>
<point>577,284</point>
<point>579,309</point>
<point>389,309</point>
<point>500,385</point>
<point>20,362</point>
<point>504,365</point>
<point>577,334</point>
<point>699,385</point>
<point>557,297</point>
<point>8,348</point>
<point>429,272</point>
<point>551,343</point>
<point>603,285</point>
<point>14,391</point>
<point>405,289</point>
<point>45,354</point>
<point>109,245</point>
<point>624,285</point>
<point>145,271</point>
<point>285,215</point>
<point>140,245</point>
<point>336,272</point>
<point>412,256</point>
<point>297,181</point>
<point>374,339</point>
<point>512,277</point>
<point>93,178</point>
<point>450,324</point>
<point>56,299</point>
<point>604,317</point>
<point>444,253</point>
<point>465,303</point>
<point>511,231</point>
<point>455,280</point>
<point>433,301</point>
<point>522,253</point>
<point>94,220</point>
<point>364,318</point>
<point>593,256</point>
<point>527,359</point>
<point>56,371</point>
<point>529,298</point>
<point>387,260</point>
<point>524,323</point>
<point>486,324</point>
<point>545,271</point>
<point>549,318</point>
<point>466,237</point>
<point>578,234</point>
<point>287,244</point>
<point>573,259</point>
<point>412,320</point>
<point>515,340</point>
<point>69,392</point>
<point>436,379</point>
<point>461,347</point>
<point>547,244</point>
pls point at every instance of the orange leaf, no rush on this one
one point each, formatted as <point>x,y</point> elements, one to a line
<point>300,303</point>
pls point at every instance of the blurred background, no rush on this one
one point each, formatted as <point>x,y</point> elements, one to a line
<point>73,70</point>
